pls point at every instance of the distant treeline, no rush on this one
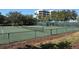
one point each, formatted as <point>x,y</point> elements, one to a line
<point>63,15</point>
<point>16,18</point>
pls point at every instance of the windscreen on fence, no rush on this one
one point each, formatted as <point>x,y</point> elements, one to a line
<point>20,34</point>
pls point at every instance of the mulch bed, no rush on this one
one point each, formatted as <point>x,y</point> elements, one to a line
<point>75,46</point>
<point>34,42</point>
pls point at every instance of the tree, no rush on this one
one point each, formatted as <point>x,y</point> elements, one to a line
<point>15,18</point>
<point>63,15</point>
<point>77,19</point>
<point>74,14</point>
<point>29,20</point>
<point>2,19</point>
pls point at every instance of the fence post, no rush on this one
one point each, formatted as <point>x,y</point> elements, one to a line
<point>9,37</point>
<point>50,31</point>
<point>56,30</point>
<point>35,34</point>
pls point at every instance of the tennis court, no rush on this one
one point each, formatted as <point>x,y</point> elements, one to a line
<point>12,33</point>
<point>17,33</point>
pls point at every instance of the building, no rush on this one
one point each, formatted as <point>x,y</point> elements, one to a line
<point>42,15</point>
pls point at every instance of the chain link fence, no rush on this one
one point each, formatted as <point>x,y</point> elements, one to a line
<point>26,35</point>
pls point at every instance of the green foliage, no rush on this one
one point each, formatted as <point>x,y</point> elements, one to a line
<point>61,45</point>
<point>48,46</point>
<point>63,15</point>
<point>29,20</point>
<point>16,19</point>
<point>2,19</point>
<point>64,45</point>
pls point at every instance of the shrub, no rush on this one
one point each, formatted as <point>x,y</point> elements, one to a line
<point>48,46</point>
<point>60,45</point>
<point>64,45</point>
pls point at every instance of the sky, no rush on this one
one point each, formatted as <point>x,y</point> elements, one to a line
<point>24,11</point>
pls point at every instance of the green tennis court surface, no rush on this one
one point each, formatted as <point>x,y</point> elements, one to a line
<point>18,33</point>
